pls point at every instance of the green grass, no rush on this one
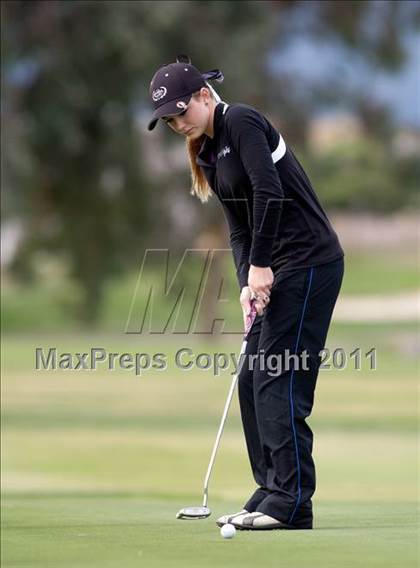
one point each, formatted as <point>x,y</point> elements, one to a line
<point>368,273</point>
<point>131,530</point>
<point>96,465</point>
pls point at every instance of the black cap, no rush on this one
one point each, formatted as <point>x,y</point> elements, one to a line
<point>173,85</point>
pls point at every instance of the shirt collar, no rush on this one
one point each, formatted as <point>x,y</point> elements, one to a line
<point>219,117</point>
<point>207,153</point>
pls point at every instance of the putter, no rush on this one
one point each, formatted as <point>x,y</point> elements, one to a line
<point>191,513</point>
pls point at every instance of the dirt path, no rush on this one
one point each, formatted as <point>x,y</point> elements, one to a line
<point>379,308</point>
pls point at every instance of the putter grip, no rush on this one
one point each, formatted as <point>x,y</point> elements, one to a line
<point>250,318</point>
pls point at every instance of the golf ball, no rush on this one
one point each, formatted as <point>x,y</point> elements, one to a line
<point>228,531</point>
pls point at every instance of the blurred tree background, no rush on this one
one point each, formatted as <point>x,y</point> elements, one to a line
<point>86,189</point>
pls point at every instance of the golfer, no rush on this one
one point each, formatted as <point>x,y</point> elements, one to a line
<point>288,259</point>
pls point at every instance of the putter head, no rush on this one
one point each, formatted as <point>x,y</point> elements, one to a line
<point>191,513</point>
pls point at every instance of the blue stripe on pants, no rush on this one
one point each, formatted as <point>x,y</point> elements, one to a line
<point>292,412</point>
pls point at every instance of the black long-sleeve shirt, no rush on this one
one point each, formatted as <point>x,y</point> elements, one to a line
<point>274,215</point>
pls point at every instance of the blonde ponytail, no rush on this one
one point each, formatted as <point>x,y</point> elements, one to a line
<point>200,186</point>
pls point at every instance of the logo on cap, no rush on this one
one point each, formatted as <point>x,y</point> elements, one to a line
<point>181,104</point>
<point>159,93</point>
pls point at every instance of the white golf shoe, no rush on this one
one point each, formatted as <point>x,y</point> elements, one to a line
<point>226,519</point>
<point>258,521</point>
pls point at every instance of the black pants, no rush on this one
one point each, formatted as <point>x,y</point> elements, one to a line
<point>275,403</point>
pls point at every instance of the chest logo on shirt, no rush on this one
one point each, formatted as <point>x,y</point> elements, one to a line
<point>223,153</point>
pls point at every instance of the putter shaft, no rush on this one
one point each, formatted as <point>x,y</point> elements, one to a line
<point>222,423</point>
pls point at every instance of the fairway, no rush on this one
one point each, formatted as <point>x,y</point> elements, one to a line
<point>96,465</point>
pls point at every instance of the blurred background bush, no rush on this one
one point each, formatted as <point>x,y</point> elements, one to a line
<point>86,189</point>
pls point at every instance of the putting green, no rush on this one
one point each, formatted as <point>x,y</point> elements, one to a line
<point>95,467</point>
<point>128,530</point>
